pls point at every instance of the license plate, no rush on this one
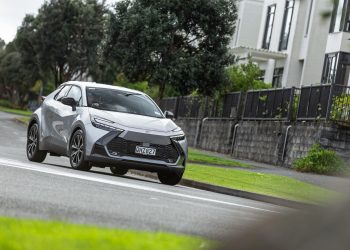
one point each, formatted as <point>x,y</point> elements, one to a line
<point>145,151</point>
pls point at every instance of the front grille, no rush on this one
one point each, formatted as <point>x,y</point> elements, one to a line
<point>121,147</point>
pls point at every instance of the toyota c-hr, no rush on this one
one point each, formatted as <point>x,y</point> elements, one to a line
<point>106,126</point>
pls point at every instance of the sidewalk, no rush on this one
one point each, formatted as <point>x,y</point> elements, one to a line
<point>335,183</point>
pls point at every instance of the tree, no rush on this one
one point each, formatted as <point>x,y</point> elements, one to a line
<point>182,43</point>
<point>63,38</point>
<point>12,76</point>
<point>244,77</point>
<point>2,44</point>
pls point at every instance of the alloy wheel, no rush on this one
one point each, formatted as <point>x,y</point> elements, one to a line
<point>32,140</point>
<point>77,150</point>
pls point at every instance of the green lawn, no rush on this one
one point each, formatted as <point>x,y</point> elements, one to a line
<point>21,234</point>
<point>197,156</point>
<point>268,184</point>
<point>16,111</point>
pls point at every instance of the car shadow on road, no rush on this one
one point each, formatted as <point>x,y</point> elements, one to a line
<point>106,174</point>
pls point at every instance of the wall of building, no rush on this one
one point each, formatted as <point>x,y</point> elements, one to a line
<point>306,50</point>
<point>247,32</point>
<point>267,141</point>
<point>314,43</point>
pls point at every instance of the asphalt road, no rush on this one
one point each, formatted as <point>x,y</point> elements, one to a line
<point>54,191</point>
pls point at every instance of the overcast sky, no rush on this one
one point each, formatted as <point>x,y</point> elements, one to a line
<point>12,13</point>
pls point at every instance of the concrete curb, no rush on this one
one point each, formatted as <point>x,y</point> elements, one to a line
<point>234,192</point>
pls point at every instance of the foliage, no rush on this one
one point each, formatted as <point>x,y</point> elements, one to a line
<point>261,183</point>
<point>63,39</point>
<point>151,90</point>
<point>181,43</point>
<point>13,76</point>
<point>320,161</point>
<point>244,77</point>
<point>40,235</point>
<point>2,44</point>
<point>341,107</point>
<point>202,157</point>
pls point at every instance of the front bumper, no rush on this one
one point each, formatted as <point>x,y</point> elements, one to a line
<point>118,149</point>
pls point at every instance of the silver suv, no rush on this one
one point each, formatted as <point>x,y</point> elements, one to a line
<point>106,126</point>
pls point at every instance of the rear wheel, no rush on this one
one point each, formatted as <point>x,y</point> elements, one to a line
<point>119,171</point>
<point>77,152</point>
<point>33,152</point>
<point>169,178</point>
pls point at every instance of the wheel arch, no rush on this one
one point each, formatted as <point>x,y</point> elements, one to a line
<point>75,128</point>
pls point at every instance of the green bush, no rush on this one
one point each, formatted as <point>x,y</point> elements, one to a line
<point>320,161</point>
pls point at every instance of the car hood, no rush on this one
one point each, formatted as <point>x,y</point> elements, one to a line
<point>136,121</point>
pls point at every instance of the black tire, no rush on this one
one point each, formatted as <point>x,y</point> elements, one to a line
<point>169,178</point>
<point>77,152</point>
<point>33,152</point>
<point>119,171</point>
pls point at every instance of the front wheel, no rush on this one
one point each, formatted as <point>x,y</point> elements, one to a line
<point>77,152</point>
<point>169,178</point>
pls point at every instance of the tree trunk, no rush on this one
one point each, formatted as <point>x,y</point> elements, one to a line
<point>161,90</point>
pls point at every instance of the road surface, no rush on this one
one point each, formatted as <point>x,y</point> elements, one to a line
<point>54,191</point>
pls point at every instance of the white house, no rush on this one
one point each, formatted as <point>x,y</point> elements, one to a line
<point>293,42</point>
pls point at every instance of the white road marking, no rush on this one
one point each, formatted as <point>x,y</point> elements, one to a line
<point>32,167</point>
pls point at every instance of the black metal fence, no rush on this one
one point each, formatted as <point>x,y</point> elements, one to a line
<point>271,104</point>
<point>319,102</point>
<point>339,109</point>
<point>314,102</point>
<point>196,107</point>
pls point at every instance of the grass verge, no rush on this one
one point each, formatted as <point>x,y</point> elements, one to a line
<point>197,156</point>
<point>40,235</point>
<point>16,111</point>
<point>267,184</point>
<point>24,119</point>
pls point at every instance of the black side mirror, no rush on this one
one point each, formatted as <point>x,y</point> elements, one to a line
<point>169,114</point>
<point>69,101</point>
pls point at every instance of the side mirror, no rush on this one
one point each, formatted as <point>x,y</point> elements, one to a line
<point>69,101</point>
<point>169,114</point>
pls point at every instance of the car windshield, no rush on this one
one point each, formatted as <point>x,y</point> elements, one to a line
<point>122,101</point>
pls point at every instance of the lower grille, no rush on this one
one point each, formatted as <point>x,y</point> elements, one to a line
<point>122,147</point>
<point>99,149</point>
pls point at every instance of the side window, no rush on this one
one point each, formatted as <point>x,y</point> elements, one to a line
<point>75,93</point>
<point>62,93</point>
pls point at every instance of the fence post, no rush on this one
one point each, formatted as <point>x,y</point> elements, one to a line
<point>291,104</point>
<point>177,107</point>
<point>330,103</point>
<point>308,102</point>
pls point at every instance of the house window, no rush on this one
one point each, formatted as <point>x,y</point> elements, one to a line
<point>277,77</point>
<point>340,16</point>
<point>287,23</point>
<point>330,68</point>
<point>269,26</point>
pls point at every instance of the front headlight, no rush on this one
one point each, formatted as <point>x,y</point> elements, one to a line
<point>102,123</point>
<point>178,129</point>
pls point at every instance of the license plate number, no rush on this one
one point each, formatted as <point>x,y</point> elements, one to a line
<point>145,151</point>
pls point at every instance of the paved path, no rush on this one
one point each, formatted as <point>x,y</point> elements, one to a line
<point>53,190</point>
